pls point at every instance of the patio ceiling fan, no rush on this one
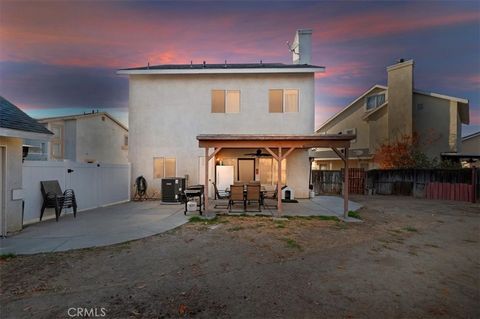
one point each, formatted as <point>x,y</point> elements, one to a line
<point>258,153</point>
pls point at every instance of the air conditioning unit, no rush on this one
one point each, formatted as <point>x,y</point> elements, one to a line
<point>172,189</point>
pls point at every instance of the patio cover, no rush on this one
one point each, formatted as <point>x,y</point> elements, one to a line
<point>284,144</point>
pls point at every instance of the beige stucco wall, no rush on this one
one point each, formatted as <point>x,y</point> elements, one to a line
<point>352,118</point>
<point>378,132</point>
<point>101,141</point>
<point>437,124</point>
<point>167,112</point>
<point>471,146</point>
<point>13,208</point>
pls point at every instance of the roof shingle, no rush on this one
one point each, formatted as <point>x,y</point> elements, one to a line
<point>11,117</point>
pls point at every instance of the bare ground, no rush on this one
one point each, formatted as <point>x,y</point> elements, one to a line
<point>410,259</point>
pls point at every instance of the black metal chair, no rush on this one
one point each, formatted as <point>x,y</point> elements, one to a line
<point>54,198</point>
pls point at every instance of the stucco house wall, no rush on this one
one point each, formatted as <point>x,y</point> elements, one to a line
<point>437,124</point>
<point>100,139</point>
<point>471,146</point>
<point>167,112</point>
<point>90,138</point>
<point>13,180</point>
<point>352,118</point>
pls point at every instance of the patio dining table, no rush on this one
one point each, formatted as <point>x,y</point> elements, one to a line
<point>263,191</point>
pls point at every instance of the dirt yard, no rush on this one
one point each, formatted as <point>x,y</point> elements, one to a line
<point>408,259</point>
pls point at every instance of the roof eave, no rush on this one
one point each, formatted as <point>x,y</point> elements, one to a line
<point>223,71</point>
<point>376,86</point>
<point>7,132</point>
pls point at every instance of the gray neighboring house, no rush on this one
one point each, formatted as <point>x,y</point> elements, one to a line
<point>15,126</point>
<point>88,138</point>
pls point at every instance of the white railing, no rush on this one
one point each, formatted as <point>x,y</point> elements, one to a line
<point>95,185</point>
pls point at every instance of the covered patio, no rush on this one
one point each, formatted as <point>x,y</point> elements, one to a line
<point>279,147</point>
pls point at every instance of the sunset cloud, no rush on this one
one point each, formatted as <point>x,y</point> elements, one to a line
<point>57,54</point>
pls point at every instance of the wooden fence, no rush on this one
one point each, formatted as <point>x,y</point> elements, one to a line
<point>331,182</point>
<point>447,184</point>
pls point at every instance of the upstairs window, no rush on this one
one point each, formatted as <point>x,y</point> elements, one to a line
<point>225,101</point>
<point>375,101</point>
<point>283,101</point>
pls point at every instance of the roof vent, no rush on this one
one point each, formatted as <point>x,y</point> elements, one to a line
<point>401,60</point>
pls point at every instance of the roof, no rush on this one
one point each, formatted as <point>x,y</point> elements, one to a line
<point>78,116</point>
<point>376,86</point>
<point>274,140</point>
<point>14,121</point>
<point>476,134</point>
<point>463,107</point>
<point>227,68</point>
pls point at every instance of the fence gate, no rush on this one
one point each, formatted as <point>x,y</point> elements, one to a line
<point>331,182</point>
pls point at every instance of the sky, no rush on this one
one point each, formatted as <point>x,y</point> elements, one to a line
<point>60,58</point>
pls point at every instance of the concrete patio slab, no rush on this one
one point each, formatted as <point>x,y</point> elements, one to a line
<point>317,206</point>
<point>97,227</point>
<point>134,220</point>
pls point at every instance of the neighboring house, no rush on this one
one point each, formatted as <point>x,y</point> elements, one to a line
<point>89,137</point>
<point>386,113</point>
<point>15,126</point>
<point>471,144</point>
<point>170,105</point>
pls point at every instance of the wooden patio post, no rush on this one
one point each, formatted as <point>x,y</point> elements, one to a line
<point>346,186</point>
<point>205,194</point>
<point>279,183</point>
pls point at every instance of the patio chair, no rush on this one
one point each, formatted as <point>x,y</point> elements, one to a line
<point>54,198</point>
<point>219,196</point>
<point>254,195</point>
<point>272,196</point>
<point>236,195</point>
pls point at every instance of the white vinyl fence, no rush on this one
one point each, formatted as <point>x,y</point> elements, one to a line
<point>95,185</point>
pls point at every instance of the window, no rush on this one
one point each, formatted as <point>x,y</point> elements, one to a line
<point>56,149</point>
<point>419,107</point>
<point>375,101</point>
<point>225,101</point>
<point>283,101</point>
<point>164,167</point>
<point>125,140</point>
<point>291,101</point>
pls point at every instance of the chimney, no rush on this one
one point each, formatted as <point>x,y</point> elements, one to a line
<point>302,47</point>
<point>400,99</point>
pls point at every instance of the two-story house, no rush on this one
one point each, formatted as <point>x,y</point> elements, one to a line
<point>170,105</point>
<point>88,137</point>
<point>384,114</point>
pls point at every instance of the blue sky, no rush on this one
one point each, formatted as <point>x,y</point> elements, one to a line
<point>61,57</point>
